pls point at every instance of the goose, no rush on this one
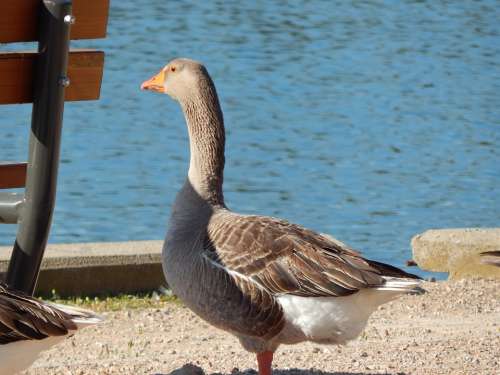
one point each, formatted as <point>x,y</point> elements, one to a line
<point>29,326</point>
<point>265,280</point>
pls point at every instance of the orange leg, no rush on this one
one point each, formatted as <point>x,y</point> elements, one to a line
<point>265,360</point>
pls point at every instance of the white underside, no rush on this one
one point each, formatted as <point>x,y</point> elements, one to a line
<point>338,319</point>
<point>19,355</point>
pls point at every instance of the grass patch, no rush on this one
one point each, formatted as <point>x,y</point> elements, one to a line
<point>119,302</point>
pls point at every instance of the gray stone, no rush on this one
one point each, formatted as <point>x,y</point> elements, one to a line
<point>457,251</point>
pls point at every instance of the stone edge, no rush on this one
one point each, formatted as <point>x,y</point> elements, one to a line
<point>97,268</point>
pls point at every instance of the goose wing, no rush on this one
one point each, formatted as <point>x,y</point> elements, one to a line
<point>285,258</point>
<point>23,317</point>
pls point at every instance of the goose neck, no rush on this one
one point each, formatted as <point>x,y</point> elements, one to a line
<point>207,140</point>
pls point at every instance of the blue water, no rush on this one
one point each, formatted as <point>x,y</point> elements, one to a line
<point>369,120</point>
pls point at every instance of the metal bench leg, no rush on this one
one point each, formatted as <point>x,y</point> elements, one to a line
<point>45,137</point>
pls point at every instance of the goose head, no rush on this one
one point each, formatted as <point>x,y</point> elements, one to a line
<point>180,79</point>
<point>188,82</point>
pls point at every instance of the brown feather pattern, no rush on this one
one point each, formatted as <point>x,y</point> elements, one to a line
<point>23,317</point>
<point>285,258</point>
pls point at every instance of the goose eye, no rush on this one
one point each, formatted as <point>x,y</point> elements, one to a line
<point>172,69</point>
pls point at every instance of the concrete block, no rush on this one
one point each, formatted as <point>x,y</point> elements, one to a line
<point>97,268</point>
<point>457,251</point>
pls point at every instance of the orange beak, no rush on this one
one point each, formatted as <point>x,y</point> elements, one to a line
<point>155,83</point>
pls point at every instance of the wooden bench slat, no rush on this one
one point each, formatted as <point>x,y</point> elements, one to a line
<point>12,175</point>
<point>19,20</point>
<point>85,69</point>
<point>91,19</point>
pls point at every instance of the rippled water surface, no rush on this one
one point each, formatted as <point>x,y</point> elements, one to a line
<point>369,120</point>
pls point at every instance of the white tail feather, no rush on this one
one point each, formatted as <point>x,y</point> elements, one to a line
<point>395,284</point>
<point>81,317</point>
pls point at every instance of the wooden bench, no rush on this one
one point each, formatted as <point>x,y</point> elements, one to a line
<point>47,78</point>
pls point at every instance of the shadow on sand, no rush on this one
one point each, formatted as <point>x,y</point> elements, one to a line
<point>190,369</point>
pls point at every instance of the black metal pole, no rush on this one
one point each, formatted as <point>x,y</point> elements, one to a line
<point>46,124</point>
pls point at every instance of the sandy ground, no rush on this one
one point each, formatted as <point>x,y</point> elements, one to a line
<point>453,329</point>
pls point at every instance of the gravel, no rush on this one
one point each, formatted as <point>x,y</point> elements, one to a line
<point>452,329</point>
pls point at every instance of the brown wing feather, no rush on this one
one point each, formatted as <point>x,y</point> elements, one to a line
<point>286,258</point>
<point>23,317</point>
